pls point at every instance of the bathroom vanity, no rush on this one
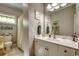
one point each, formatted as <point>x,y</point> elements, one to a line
<point>61,46</point>
<point>63,23</point>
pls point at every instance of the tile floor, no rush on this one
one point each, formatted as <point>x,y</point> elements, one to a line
<point>14,52</point>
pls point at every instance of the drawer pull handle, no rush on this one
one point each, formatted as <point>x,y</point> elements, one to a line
<point>46,49</point>
<point>65,51</point>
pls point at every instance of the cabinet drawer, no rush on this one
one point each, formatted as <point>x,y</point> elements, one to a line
<point>65,51</point>
<point>43,48</point>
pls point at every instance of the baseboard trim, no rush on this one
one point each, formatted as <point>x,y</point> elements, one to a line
<point>20,49</point>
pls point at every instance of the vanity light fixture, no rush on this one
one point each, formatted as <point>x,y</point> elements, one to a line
<point>52,9</point>
<point>57,7</point>
<point>54,4</point>
<point>3,19</point>
<point>63,4</point>
<point>24,4</point>
<point>48,6</point>
<point>8,20</point>
<point>12,21</point>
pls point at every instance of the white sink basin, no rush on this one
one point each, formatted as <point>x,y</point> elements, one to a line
<point>63,40</point>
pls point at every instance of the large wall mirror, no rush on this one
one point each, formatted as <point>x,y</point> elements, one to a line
<point>61,18</point>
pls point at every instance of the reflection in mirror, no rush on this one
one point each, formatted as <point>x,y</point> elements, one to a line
<point>39,29</point>
<point>47,30</point>
<point>55,27</point>
<point>62,20</point>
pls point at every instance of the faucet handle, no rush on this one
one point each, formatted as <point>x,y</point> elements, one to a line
<point>75,38</point>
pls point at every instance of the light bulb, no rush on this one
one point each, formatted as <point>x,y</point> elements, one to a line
<point>3,19</point>
<point>49,6</point>
<point>63,4</point>
<point>12,21</point>
<point>0,17</point>
<point>54,4</point>
<point>52,9</point>
<point>57,7</point>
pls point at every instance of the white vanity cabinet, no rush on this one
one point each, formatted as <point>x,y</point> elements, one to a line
<point>76,19</point>
<point>44,48</point>
<point>65,51</point>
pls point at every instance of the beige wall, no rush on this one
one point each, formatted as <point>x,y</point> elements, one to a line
<point>33,22</point>
<point>25,30</point>
<point>13,31</point>
<point>77,19</point>
<point>47,18</point>
<point>20,32</point>
<point>66,20</point>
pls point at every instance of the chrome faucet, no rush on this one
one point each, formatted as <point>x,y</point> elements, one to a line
<point>75,37</point>
<point>54,36</point>
<point>49,35</point>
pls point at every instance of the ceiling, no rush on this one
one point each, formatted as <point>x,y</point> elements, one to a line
<point>14,9</point>
<point>17,6</point>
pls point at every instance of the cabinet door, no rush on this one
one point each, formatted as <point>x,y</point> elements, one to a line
<point>64,51</point>
<point>41,48</point>
<point>44,48</point>
<point>77,52</point>
<point>53,49</point>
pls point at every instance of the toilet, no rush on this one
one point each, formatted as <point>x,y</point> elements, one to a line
<point>8,42</point>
